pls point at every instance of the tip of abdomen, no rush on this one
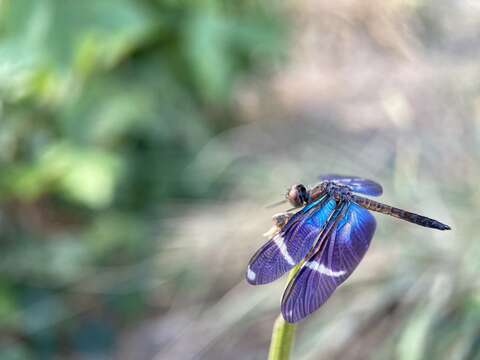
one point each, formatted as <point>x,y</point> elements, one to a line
<point>441,226</point>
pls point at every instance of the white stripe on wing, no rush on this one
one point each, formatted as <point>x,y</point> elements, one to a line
<point>322,269</point>
<point>283,249</point>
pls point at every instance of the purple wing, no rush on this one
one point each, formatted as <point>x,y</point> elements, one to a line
<point>357,184</point>
<point>325,270</point>
<point>291,244</point>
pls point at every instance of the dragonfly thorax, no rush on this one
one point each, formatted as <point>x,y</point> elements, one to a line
<point>337,191</point>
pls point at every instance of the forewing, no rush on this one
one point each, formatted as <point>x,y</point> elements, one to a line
<point>291,244</point>
<point>326,269</point>
<point>357,184</point>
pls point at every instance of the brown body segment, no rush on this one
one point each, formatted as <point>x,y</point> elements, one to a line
<point>399,213</point>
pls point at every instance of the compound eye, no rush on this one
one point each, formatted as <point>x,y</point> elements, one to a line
<point>302,190</point>
<point>297,195</point>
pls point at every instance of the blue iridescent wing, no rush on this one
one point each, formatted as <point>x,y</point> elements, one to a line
<point>326,269</point>
<point>291,244</point>
<point>357,184</point>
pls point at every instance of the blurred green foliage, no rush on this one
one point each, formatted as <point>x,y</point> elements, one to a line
<point>103,105</point>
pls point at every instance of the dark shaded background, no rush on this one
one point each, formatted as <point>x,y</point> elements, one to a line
<point>141,140</point>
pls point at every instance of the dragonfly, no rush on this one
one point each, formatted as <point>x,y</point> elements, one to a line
<point>327,238</point>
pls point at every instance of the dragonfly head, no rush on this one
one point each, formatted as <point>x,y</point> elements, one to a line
<point>297,195</point>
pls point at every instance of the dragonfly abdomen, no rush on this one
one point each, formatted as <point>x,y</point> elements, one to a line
<point>399,213</point>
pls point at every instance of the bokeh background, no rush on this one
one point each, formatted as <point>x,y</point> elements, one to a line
<point>141,140</point>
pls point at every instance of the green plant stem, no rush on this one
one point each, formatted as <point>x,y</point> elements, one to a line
<point>283,333</point>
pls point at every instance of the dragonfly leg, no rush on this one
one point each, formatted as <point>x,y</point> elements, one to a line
<point>279,221</point>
